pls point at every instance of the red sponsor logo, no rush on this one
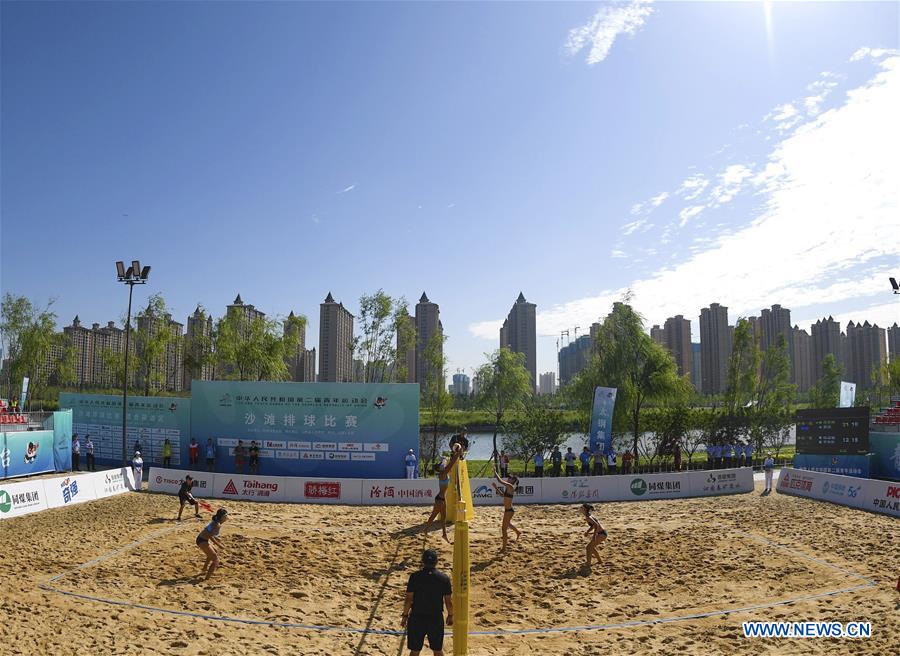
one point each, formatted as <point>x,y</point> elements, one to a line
<point>230,488</point>
<point>893,492</point>
<point>322,490</point>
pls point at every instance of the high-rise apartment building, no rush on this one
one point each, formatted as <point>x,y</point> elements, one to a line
<point>519,334</point>
<point>658,335</point>
<point>82,340</point>
<point>547,383</point>
<point>715,348</point>
<point>243,309</point>
<point>801,360</point>
<point>775,321</point>
<point>696,368</point>
<point>573,358</point>
<point>677,338</point>
<point>460,386</point>
<point>295,360</point>
<point>198,348</point>
<point>335,342</point>
<point>893,338</point>
<point>307,370</point>
<point>428,328</point>
<point>826,338</point>
<point>866,351</point>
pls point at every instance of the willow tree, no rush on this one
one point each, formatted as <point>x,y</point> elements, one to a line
<point>504,385</point>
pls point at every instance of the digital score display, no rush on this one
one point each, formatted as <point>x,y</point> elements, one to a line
<point>833,430</point>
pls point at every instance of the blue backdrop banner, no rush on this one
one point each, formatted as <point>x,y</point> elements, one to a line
<point>62,440</point>
<point>846,465</point>
<point>601,418</point>
<point>151,421</point>
<point>886,454</point>
<point>351,430</point>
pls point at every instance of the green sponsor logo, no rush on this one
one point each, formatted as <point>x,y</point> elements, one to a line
<point>638,486</point>
<point>5,501</point>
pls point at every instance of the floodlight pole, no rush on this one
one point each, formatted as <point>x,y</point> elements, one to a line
<point>134,276</point>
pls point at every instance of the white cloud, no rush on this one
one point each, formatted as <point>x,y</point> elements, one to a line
<point>822,236</point>
<point>689,213</point>
<point>874,53</point>
<point>731,180</point>
<point>618,254</point>
<point>628,228</point>
<point>636,208</point>
<point>605,26</point>
<point>347,189</point>
<point>658,200</point>
<point>693,186</point>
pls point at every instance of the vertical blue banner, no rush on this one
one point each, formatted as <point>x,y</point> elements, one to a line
<point>62,440</point>
<point>601,418</point>
<point>886,454</point>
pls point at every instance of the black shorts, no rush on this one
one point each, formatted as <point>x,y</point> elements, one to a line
<point>420,626</point>
<point>201,540</point>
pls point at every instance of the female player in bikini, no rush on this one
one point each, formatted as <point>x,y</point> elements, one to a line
<point>440,500</point>
<point>508,491</point>
<point>211,534</point>
<point>599,534</point>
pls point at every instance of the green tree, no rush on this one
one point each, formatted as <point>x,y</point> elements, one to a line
<point>252,348</point>
<point>538,428</point>
<point>29,335</point>
<point>625,357</point>
<point>380,319</point>
<point>503,386</point>
<point>826,393</point>
<point>152,339</point>
<point>66,370</point>
<point>434,394</point>
<point>773,405</point>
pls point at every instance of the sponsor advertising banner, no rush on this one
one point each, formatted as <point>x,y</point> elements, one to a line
<point>720,481</point>
<point>601,418</point>
<point>249,488</point>
<point>151,421</point>
<point>400,492</point>
<point>647,487</point>
<point>24,453</point>
<point>848,395</point>
<point>69,490</point>
<point>483,493</point>
<point>579,489</point>
<point>110,482</point>
<point>845,465</point>
<point>882,497</point>
<point>169,481</point>
<point>314,429</point>
<point>843,490</point>
<point>324,490</point>
<point>21,498</point>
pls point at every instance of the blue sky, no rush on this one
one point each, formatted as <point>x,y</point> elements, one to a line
<point>568,151</point>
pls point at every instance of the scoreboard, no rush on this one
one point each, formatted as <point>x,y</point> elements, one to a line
<point>833,430</point>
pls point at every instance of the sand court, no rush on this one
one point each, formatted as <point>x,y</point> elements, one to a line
<point>323,579</point>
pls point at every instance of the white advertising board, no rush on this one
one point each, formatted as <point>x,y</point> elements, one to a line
<point>21,498</point>
<point>242,487</point>
<point>579,489</point>
<point>326,490</point>
<point>483,494</point>
<point>110,482</point>
<point>169,481</point>
<point>881,497</point>
<point>843,490</point>
<point>717,482</point>
<point>399,492</point>
<point>69,490</point>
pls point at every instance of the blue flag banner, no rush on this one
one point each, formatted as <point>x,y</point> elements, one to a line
<point>601,418</point>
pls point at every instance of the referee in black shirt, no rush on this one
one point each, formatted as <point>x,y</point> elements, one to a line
<point>422,614</point>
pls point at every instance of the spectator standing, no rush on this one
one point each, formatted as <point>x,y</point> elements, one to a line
<point>239,453</point>
<point>210,454</point>
<point>167,453</point>
<point>709,456</point>
<point>727,452</point>
<point>89,451</point>
<point>428,593</point>
<point>627,458</point>
<point>748,454</point>
<point>611,461</point>
<point>769,467</point>
<point>539,464</point>
<point>717,456</point>
<point>194,452</point>
<point>137,466</point>
<point>556,461</point>
<point>254,457</point>
<point>570,462</point>
<point>504,464</point>
<point>585,457</point>
<point>677,456</point>
<point>598,460</point>
<point>76,452</point>
<point>410,460</point>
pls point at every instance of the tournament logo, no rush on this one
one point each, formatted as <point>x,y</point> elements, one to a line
<point>5,501</point>
<point>225,401</point>
<point>638,487</point>
<point>230,488</point>
<point>482,492</point>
